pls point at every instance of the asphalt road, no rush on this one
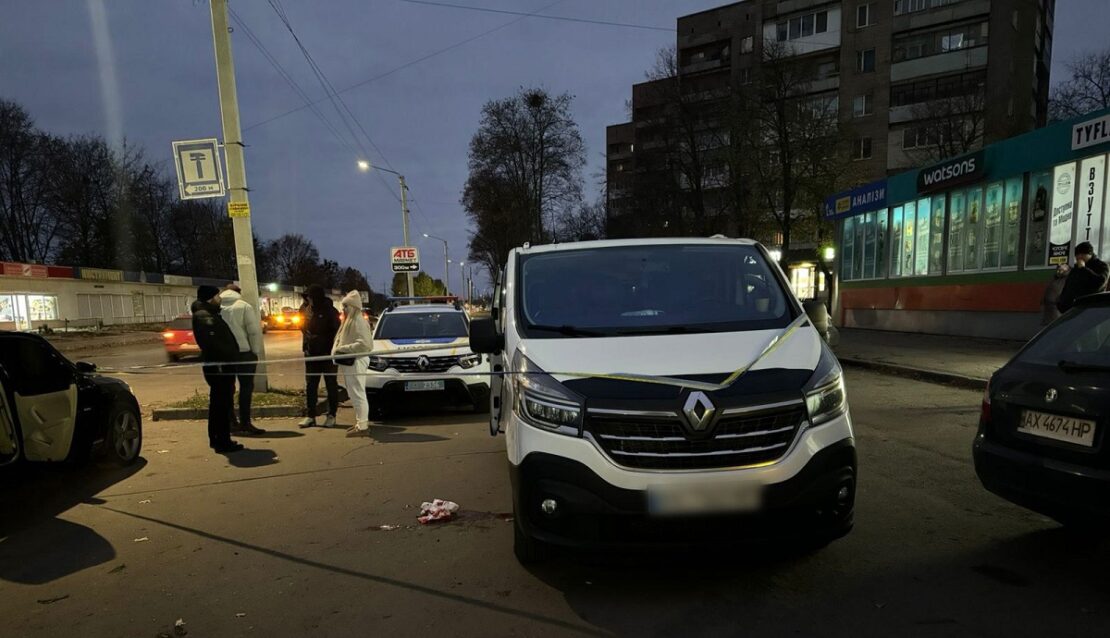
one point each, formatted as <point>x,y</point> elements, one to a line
<point>287,540</point>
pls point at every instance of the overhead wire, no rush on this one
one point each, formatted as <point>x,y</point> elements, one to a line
<point>537,15</point>
<point>411,63</point>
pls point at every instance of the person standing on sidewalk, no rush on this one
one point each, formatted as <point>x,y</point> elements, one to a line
<point>1052,292</point>
<point>1087,277</point>
<point>219,350</point>
<point>244,323</point>
<point>319,326</point>
<point>354,337</point>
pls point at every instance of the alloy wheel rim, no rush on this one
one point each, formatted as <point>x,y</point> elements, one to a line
<point>127,436</point>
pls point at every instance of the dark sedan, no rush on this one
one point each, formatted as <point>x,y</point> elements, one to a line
<point>55,410</point>
<point>1043,440</point>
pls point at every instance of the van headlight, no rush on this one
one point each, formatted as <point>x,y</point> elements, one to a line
<point>469,361</point>
<point>541,401</point>
<point>827,402</point>
<point>378,364</point>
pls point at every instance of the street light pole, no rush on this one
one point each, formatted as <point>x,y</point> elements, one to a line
<point>236,168</point>
<point>446,264</point>
<point>364,166</point>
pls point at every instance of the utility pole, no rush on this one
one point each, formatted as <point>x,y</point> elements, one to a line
<point>236,169</point>
<point>405,223</point>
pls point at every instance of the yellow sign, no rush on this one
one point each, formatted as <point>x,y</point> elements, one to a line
<point>843,205</point>
<point>238,209</point>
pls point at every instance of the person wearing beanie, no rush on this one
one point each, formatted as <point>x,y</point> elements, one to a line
<point>220,351</point>
<point>1087,277</point>
<point>319,325</point>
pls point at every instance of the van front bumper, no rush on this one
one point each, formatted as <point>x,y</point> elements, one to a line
<point>592,513</point>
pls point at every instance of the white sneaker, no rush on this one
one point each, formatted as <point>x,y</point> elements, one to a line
<point>329,422</point>
<point>307,422</point>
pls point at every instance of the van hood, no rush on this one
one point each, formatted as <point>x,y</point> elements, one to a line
<point>674,355</point>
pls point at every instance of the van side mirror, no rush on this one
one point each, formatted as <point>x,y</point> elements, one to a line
<point>818,316</point>
<point>484,338</point>
<point>85,366</point>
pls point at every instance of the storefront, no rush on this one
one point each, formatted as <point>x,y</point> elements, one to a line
<point>967,246</point>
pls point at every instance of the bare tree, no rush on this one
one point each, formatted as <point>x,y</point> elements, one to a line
<point>584,224</point>
<point>292,255</point>
<point>30,223</point>
<point>1088,88</point>
<point>947,127</point>
<point>527,147</point>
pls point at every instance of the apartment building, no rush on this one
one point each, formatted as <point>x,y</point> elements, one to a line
<point>909,79</point>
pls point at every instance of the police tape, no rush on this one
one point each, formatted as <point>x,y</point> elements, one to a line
<point>228,368</point>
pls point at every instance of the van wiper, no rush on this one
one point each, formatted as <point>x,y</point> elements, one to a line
<point>567,330</point>
<point>661,330</point>
<point>1077,365</point>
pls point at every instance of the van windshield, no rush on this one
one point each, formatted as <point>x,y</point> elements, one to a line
<point>658,289</point>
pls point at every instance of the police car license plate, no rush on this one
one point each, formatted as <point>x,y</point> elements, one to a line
<point>423,386</point>
<point>708,498</point>
<point>1059,428</point>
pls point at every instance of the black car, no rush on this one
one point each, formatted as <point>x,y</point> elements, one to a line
<point>55,410</point>
<point>1044,433</point>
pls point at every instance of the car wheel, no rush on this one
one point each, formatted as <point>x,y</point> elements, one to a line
<point>529,551</point>
<point>125,435</point>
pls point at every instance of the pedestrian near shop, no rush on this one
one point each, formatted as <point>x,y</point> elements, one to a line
<point>220,351</point>
<point>319,326</point>
<point>1087,277</point>
<point>244,324</point>
<point>1052,292</point>
<point>353,344</point>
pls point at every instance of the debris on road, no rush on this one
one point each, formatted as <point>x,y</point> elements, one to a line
<point>241,615</point>
<point>141,540</point>
<point>51,601</point>
<point>144,501</point>
<point>437,510</point>
<point>162,451</point>
<point>388,528</point>
<point>118,568</point>
<point>179,628</point>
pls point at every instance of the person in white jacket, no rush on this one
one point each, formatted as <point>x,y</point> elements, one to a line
<point>243,320</point>
<point>354,338</point>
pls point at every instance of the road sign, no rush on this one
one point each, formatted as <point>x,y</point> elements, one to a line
<point>199,171</point>
<point>238,209</point>
<point>404,259</point>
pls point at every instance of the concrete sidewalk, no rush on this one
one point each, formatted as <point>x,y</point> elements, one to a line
<point>962,361</point>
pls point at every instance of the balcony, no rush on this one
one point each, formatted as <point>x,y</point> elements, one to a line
<point>704,65</point>
<point>941,15</point>
<point>951,62</point>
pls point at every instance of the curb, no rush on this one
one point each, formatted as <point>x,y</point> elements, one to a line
<point>919,374</point>
<point>261,412</point>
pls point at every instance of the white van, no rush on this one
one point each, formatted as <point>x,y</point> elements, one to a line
<point>661,392</point>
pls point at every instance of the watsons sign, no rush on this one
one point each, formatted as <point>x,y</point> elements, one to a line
<point>1090,133</point>
<point>961,170</point>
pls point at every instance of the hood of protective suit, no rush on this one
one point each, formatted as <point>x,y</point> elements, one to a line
<point>352,301</point>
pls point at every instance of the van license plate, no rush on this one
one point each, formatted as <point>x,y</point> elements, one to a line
<point>711,498</point>
<point>423,386</point>
<point>1059,428</point>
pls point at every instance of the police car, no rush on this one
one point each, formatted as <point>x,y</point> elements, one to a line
<point>422,355</point>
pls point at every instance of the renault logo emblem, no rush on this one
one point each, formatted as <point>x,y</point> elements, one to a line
<point>699,411</point>
<point>1050,396</point>
<point>423,362</point>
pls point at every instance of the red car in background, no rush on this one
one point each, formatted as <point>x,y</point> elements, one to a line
<point>178,339</point>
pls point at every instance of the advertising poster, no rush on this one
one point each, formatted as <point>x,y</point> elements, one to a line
<point>921,259</point>
<point>1088,219</point>
<point>1063,214</point>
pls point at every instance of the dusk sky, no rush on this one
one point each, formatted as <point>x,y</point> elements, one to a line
<point>150,77</point>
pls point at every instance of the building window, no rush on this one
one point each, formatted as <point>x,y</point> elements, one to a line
<point>42,307</point>
<point>946,40</point>
<point>802,26</point>
<point>746,44</point>
<point>865,60</point>
<point>862,105</point>
<point>861,148</point>
<point>912,6</point>
<point>864,15</point>
<point>937,89</point>
<point>744,75</point>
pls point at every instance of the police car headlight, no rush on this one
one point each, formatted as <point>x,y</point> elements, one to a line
<point>378,364</point>
<point>470,360</point>
<point>543,402</point>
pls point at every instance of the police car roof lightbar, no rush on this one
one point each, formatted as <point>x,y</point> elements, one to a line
<point>431,299</point>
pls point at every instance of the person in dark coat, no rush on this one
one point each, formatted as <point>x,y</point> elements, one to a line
<point>1087,277</point>
<point>318,327</point>
<point>220,350</point>
<point>1052,292</point>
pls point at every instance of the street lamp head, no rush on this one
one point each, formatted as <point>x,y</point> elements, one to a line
<point>426,236</point>
<point>363,165</point>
